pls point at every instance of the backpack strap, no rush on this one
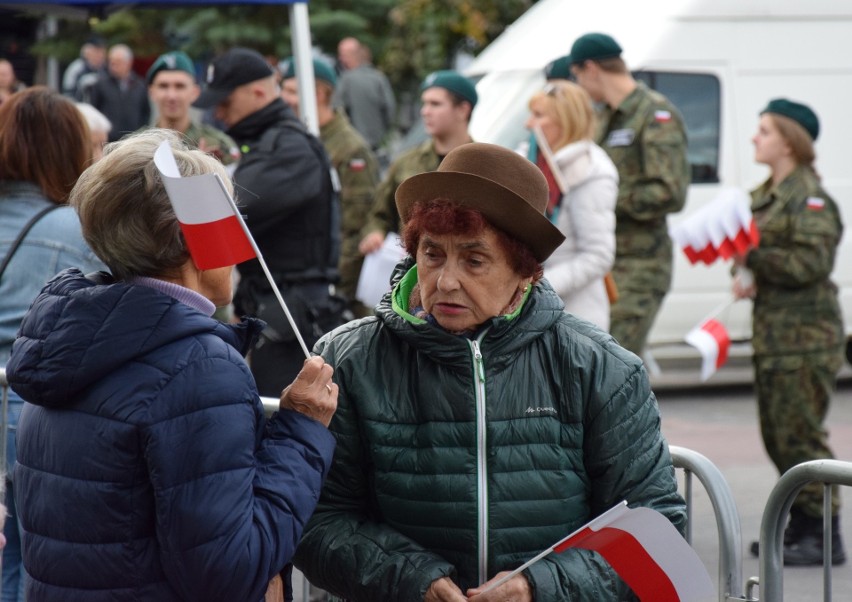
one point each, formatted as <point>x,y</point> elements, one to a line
<point>23,233</point>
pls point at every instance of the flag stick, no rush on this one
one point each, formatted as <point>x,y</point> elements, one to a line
<point>603,518</point>
<point>546,151</point>
<point>265,268</point>
<point>717,310</point>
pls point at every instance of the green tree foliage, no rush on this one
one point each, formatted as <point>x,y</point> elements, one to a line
<point>408,38</point>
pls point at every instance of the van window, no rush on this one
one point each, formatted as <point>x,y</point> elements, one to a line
<point>697,97</point>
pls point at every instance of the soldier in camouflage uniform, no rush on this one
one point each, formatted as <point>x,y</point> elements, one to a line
<point>645,137</point>
<point>448,100</point>
<point>172,88</point>
<point>797,322</point>
<point>357,168</point>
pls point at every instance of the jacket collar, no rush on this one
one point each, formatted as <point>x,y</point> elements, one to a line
<point>253,126</point>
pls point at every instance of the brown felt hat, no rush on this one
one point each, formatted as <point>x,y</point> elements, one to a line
<point>507,189</point>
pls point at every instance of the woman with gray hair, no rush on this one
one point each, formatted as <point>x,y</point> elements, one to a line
<point>144,419</point>
<point>99,128</point>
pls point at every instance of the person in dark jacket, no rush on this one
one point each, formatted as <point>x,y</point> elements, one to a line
<point>287,194</point>
<point>120,94</point>
<point>146,467</point>
<point>478,423</point>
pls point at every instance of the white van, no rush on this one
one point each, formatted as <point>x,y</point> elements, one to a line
<point>719,62</point>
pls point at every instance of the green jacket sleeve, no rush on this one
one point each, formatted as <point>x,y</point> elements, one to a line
<point>343,549</point>
<point>383,215</point>
<point>659,186</point>
<point>797,250</point>
<point>623,409</point>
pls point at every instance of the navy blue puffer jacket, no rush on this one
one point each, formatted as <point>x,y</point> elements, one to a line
<point>146,469</point>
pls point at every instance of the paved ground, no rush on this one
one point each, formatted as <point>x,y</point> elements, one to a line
<point>722,425</point>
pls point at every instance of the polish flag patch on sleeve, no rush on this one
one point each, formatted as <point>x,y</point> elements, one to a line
<point>357,164</point>
<point>815,203</point>
<point>662,116</point>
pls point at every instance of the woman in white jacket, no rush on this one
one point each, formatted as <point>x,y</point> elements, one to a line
<point>583,185</point>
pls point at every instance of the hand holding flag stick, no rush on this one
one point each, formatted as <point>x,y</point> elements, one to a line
<point>646,551</point>
<point>215,232</point>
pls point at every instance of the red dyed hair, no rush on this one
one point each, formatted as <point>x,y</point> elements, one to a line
<point>442,216</point>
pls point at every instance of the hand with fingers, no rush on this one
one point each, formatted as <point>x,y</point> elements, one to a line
<point>516,589</point>
<point>312,393</point>
<point>444,590</point>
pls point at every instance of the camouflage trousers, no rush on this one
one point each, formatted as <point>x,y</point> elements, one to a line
<point>632,316</point>
<point>793,393</point>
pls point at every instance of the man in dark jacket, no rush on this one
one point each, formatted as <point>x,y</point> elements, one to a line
<point>285,189</point>
<point>120,94</point>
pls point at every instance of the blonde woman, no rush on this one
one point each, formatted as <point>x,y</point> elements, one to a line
<point>583,187</point>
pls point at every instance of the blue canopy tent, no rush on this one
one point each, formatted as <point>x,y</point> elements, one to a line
<point>299,25</point>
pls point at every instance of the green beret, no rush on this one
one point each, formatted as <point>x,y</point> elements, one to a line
<point>801,114</point>
<point>322,71</point>
<point>171,61</point>
<point>452,81</point>
<point>559,68</point>
<point>593,47</point>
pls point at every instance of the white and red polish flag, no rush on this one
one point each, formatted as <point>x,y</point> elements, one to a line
<point>646,551</point>
<point>712,341</point>
<point>721,228</point>
<point>215,233</point>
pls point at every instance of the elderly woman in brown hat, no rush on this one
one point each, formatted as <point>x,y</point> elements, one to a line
<point>477,422</point>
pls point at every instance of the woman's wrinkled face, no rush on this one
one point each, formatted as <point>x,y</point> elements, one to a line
<point>465,279</point>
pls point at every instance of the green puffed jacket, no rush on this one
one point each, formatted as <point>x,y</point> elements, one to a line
<point>466,457</point>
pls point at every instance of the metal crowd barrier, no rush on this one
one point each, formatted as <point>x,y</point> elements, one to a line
<point>727,518</point>
<point>771,563</point>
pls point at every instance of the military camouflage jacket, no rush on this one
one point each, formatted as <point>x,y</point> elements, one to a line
<point>420,159</point>
<point>796,308</point>
<point>646,139</point>
<point>358,170</point>
<point>216,142</point>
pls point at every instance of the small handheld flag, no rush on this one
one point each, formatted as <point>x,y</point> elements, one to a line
<point>212,226</point>
<point>712,341</point>
<point>646,551</point>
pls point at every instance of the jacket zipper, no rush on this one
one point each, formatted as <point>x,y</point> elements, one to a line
<point>481,458</point>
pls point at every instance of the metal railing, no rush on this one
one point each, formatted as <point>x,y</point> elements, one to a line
<point>730,581</point>
<point>828,472</point>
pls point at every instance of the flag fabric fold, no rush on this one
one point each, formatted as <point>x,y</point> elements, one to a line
<point>711,340</point>
<point>722,228</point>
<point>646,551</point>
<point>213,229</point>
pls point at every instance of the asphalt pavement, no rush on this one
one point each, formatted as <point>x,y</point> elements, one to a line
<point>721,423</point>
